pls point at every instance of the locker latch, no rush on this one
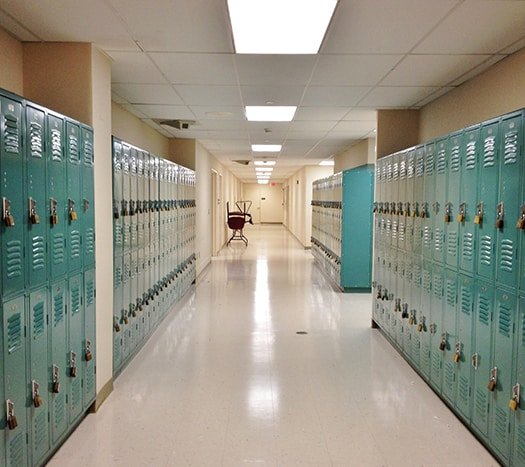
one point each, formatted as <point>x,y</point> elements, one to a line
<point>9,220</point>
<point>493,379</point>
<point>116,213</point>
<point>116,324</point>
<point>379,293</point>
<point>12,423</point>
<point>88,355</point>
<point>515,399</point>
<point>374,210</point>
<point>433,328</point>
<point>407,209</point>
<point>397,306</point>
<point>443,343</point>
<point>422,324</point>
<point>34,218</point>
<point>521,221</point>
<point>35,392</point>
<point>457,353</point>
<point>132,208</point>
<point>475,360</point>
<point>499,216</point>
<point>436,207</point>
<point>412,318</point>
<point>72,364</point>
<point>393,208</point>
<point>53,211</point>
<point>448,213</point>
<point>85,204</point>
<point>71,210</point>
<point>478,218</point>
<point>124,207</point>
<point>404,311</point>
<point>424,210</point>
<point>462,212</point>
<point>400,210</point>
<point>56,380</point>
<point>415,211</point>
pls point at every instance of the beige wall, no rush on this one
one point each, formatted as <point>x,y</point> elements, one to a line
<point>131,129</point>
<point>183,151</point>
<point>362,153</point>
<point>396,130</point>
<point>12,65</point>
<point>498,90</point>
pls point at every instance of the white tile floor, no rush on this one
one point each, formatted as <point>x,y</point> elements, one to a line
<point>227,381</point>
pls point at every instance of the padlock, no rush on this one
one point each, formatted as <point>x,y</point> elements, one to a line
<point>443,343</point>
<point>72,364</point>
<point>88,355</point>
<point>404,313</point>
<point>499,223</point>
<point>56,387</point>
<point>515,399</point>
<point>521,223</point>
<point>53,219</point>
<point>499,216</point>
<point>420,327</point>
<point>116,325</point>
<point>56,384</point>
<point>513,405</point>
<point>9,220</point>
<point>34,218</point>
<point>37,399</point>
<point>447,218</point>
<point>73,371</point>
<point>73,216</point>
<point>12,422</point>
<point>457,358</point>
<point>478,219</point>
<point>492,385</point>
<point>125,319</point>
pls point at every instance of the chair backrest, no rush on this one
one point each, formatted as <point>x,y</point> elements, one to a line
<point>235,222</point>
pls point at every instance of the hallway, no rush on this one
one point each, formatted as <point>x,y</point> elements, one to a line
<point>227,381</point>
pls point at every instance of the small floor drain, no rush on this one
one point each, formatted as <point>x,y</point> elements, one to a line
<point>302,333</point>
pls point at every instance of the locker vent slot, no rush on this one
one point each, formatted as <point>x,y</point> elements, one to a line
<point>426,281</point>
<point>41,431</point>
<point>76,395</point>
<point>448,379</point>
<point>14,332</point>
<point>483,310</point>
<point>441,164</point>
<point>427,237</point>
<point>75,300</point>
<point>504,320</point>
<point>481,404</point>
<point>438,240</point>
<point>75,244</point>
<point>429,164</point>
<point>438,286</point>
<point>38,320</point>
<point>14,259</point>
<point>452,243</point>
<point>383,173</point>
<point>90,241</point>
<point>59,410</point>
<point>467,251</point>
<point>17,449</point>
<point>463,390</point>
<point>402,169</point>
<point>74,155</point>
<point>489,151</point>
<point>56,145</point>
<point>417,234</point>
<point>510,155</point>
<point>90,379</point>
<point>12,134</point>
<point>454,159</point>
<point>58,309</point>
<point>59,254</point>
<point>500,425</point>
<point>436,366</point>
<point>90,292</point>
<point>38,250</point>
<point>485,250</point>
<point>118,234</point>
<point>416,275</point>
<point>389,171</point>
<point>523,331</point>
<point>36,144</point>
<point>466,300</point>
<point>451,292</point>
<point>117,277</point>
<point>88,153</point>
<point>470,159</point>
<point>520,445</point>
<point>394,230</point>
<point>420,166</point>
<point>411,170</point>
<point>507,255</point>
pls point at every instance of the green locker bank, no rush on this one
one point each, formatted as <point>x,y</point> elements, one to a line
<point>460,323</point>
<point>47,369</point>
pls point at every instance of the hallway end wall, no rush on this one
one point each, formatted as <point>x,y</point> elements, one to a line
<point>12,59</point>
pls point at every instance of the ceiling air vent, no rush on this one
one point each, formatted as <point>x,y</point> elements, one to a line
<point>178,124</point>
<point>243,162</point>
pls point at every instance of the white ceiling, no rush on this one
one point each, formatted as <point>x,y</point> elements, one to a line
<point>174,59</point>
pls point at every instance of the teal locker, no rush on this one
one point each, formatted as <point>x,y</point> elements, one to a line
<point>133,197</point>
<point>16,390</point>
<point>394,205</point>
<point>452,197</point>
<point>3,426</point>
<point>425,320</point>
<point>482,356</point>
<point>76,322</point>
<point>399,298</point>
<point>117,312</point>
<point>36,201</point>
<point>438,337</point>
<point>388,202</point>
<point>38,375</point>
<point>126,198</point>
<point>56,209</point>
<point>451,335</point>
<point>73,225</point>
<point>402,200</point>
<point>425,210</point>
<point>418,200</point>
<point>485,216</point>
<point>124,314</point>
<point>468,199</point>
<point>59,362</point>
<point>505,315</point>
<point>14,222</point>
<point>89,355</point>
<point>464,346</point>
<point>88,196</point>
<point>440,201</point>
<point>414,314</point>
<point>409,200</point>
<point>509,203</point>
<point>118,207</point>
<point>518,452</point>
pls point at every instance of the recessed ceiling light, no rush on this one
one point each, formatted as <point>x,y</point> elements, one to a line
<point>264,162</point>
<point>271,113</point>
<point>266,147</point>
<point>279,26</point>
<point>263,169</point>
<point>327,163</point>
<point>263,182</point>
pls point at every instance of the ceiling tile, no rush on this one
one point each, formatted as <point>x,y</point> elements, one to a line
<point>440,92</point>
<point>355,126</point>
<point>477,27</point>
<point>166,111</point>
<point>16,29</point>
<point>396,96</point>
<point>134,67</point>
<point>209,95</point>
<point>202,112</point>
<point>274,70</point>
<point>280,95</point>
<point>320,113</point>
<point>193,69</point>
<point>219,124</point>
<point>148,93</point>
<point>361,115</point>
<point>307,135</point>
<point>364,26</point>
<point>215,134</point>
<point>307,125</point>
<point>431,70</point>
<point>334,96</point>
<point>133,110</point>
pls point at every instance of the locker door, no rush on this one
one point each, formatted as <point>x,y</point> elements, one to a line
<point>451,207</point>
<point>89,355</point>
<point>126,198</point>
<point>117,313</point>
<point>468,199</point>
<point>418,199</point>
<point>399,298</point>
<point>36,198</point>
<point>402,197</point>
<point>426,212</point>
<point>488,183</point>
<point>464,346</point>
<point>518,453</point>
<point>39,374</point>
<point>505,308</point>
<point>409,200</point>
<point>124,316</point>
<point>56,209</point>
<point>74,229</point>
<point>133,197</point>
<point>482,356</point>
<point>389,163</point>
<point>76,321</point>
<point>437,332</point>
<point>12,229</point>
<point>133,294</point>
<point>450,329</point>
<point>425,320</point>
<point>118,208</point>
<point>511,170</point>
<point>440,200</point>
<point>415,313</point>
<point>88,196</point>
<point>15,380</point>
<point>59,360</point>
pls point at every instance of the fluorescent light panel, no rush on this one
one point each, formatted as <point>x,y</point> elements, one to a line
<point>270,113</point>
<point>264,162</point>
<point>327,163</point>
<point>266,147</point>
<point>279,26</point>
<point>263,182</point>
<point>264,169</point>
